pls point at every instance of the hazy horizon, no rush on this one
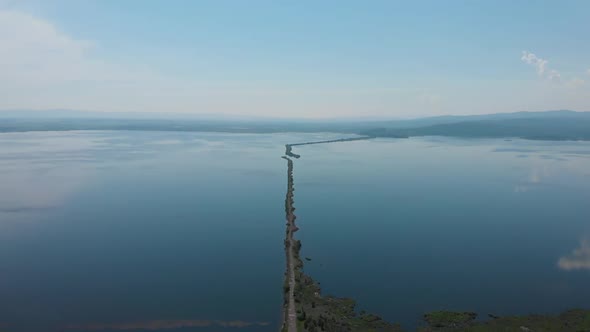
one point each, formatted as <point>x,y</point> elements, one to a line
<point>161,115</point>
<point>295,60</point>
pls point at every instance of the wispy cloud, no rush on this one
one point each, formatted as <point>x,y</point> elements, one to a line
<point>531,59</point>
<point>544,71</point>
<point>541,66</point>
<point>35,51</point>
<point>554,76</point>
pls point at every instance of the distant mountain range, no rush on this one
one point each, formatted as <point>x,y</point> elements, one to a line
<point>548,125</point>
<point>444,119</point>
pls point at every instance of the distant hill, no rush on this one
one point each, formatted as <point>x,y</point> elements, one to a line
<point>229,126</point>
<point>554,125</point>
<point>444,119</point>
<point>549,125</point>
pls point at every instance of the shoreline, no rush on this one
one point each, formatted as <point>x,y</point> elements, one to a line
<point>290,319</point>
<point>307,310</point>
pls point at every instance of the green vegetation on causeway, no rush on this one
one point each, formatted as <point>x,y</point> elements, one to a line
<point>446,321</point>
<point>305,308</point>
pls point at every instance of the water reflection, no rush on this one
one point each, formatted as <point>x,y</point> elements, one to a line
<point>156,325</point>
<point>40,171</point>
<point>141,229</point>
<point>35,190</point>
<point>579,259</point>
<point>535,178</point>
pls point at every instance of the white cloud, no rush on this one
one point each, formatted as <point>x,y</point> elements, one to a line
<point>31,48</point>
<point>541,66</point>
<point>42,67</point>
<point>554,76</point>
<point>578,260</point>
<point>34,51</point>
<point>543,70</point>
<point>531,59</point>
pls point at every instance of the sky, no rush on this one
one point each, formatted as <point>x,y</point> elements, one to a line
<point>295,59</point>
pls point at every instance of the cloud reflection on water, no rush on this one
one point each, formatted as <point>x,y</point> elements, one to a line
<point>39,171</point>
<point>579,259</point>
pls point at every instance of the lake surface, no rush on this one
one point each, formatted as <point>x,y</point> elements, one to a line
<point>157,230</point>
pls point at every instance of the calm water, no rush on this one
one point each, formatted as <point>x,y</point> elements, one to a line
<point>106,230</point>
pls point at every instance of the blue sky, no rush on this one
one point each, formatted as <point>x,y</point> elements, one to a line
<point>296,58</point>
